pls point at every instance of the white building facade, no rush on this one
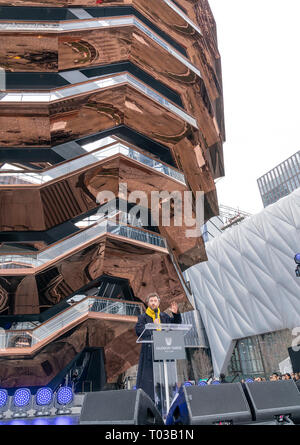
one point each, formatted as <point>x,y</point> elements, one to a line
<point>248,285</point>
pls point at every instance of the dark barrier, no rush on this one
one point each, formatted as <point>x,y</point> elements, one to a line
<point>209,405</point>
<point>269,400</point>
<point>119,408</point>
<point>269,403</point>
<point>295,358</point>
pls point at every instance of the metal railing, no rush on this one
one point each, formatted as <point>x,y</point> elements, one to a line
<point>66,246</point>
<point>7,25</point>
<point>31,337</point>
<point>183,15</point>
<point>183,282</point>
<point>36,178</point>
<point>95,84</point>
<point>116,307</point>
<point>136,234</point>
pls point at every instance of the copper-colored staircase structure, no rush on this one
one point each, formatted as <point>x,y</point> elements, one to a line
<point>99,94</point>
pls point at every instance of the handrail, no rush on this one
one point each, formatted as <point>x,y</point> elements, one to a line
<point>74,242</point>
<point>106,226</point>
<point>50,174</point>
<point>76,25</point>
<point>95,84</point>
<point>183,15</point>
<point>175,8</point>
<point>31,337</point>
<point>179,273</point>
<point>114,300</point>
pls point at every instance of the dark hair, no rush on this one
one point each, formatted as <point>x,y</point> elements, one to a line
<point>153,294</point>
<point>222,378</point>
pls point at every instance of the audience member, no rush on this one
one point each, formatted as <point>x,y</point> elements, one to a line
<point>286,376</point>
<point>222,378</point>
<point>274,377</point>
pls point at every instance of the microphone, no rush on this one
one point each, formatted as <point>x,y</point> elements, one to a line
<point>156,318</point>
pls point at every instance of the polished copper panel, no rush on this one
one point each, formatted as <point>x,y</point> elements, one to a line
<point>148,269</point>
<point>76,194</point>
<point>21,370</point>
<point>201,48</point>
<point>23,51</point>
<point>39,124</point>
<point>197,152</point>
<point>26,299</point>
<point>15,350</point>
<point>103,46</point>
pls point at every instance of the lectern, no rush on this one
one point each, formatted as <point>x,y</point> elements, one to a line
<point>167,347</point>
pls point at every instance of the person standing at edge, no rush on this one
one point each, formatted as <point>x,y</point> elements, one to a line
<point>152,315</point>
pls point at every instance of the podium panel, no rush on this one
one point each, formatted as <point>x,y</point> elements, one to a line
<point>164,373</point>
<point>168,345</point>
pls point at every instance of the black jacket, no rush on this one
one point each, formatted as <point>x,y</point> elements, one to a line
<point>145,369</point>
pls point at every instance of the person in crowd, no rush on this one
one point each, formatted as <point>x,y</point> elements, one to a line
<point>258,379</point>
<point>274,377</point>
<point>286,376</point>
<point>222,378</point>
<point>152,315</point>
<point>74,378</point>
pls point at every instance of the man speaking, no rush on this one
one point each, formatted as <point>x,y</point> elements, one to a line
<point>152,315</point>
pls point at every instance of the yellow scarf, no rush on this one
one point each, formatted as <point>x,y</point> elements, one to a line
<point>151,314</point>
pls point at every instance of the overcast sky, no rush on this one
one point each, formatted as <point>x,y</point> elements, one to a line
<point>260,50</point>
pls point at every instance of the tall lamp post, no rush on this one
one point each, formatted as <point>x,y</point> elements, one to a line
<point>297,261</point>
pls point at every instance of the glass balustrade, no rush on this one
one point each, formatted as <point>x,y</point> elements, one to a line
<point>103,226</point>
<point>31,337</point>
<point>180,275</point>
<point>89,159</point>
<point>100,23</point>
<point>93,85</point>
<point>115,307</point>
<point>75,241</point>
<point>184,16</point>
<point>136,234</point>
